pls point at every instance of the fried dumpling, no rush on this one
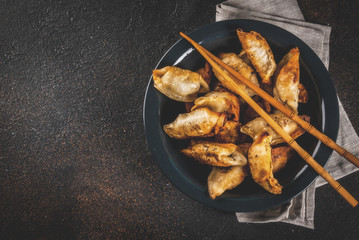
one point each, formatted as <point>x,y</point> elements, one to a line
<point>230,133</point>
<point>245,58</point>
<point>260,163</point>
<point>216,154</point>
<point>271,185</point>
<point>286,80</point>
<point>219,102</point>
<point>259,52</point>
<point>249,113</point>
<point>280,156</point>
<point>303,94</point>
<point>256,126</point>
<point>201,122</point>
<point>260,158</point>
<point>225,178</point>
<point>179,84</point>
<point>237,63</point>
<point>188,106</point>
<point>206,73</point>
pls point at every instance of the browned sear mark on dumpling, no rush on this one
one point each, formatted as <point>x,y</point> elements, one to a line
<point>206,73</point>
<point>216,154</point>
<point>303,94</point>
<point>280,156</point>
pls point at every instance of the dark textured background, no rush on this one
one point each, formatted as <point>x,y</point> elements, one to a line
<point>73,155</point>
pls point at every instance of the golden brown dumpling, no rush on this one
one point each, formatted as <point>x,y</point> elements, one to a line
<point>303,94</point>
<point>206,73</point>
<point>201,122</point>
<point>249,113</point>
<point>259,52</point>
<point>222,102</point>
<point>260,158</point>
<point>256,126</point>
<point>179,84</point>
<point>224,178</point>
<point>245,58</point>
<point>260,163</point>
<point>237,63</point>
<point>271,185</point>
<point>230,133</point>
<point>286,80</point>
<point>216,154</point>
<point>280,156</point>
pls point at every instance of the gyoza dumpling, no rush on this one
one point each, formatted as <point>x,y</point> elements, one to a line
<point>206,73</point>
<point>235,62</point>
<point>303,94</point>
<point>224,178</point>
<point>256,126</point>
<point>216,154</point>
<point>250,114</point>
<point>259,52</point>
<point>230,133</point>
<point>179,84</point>
<point>280,156</point>
<point>219,102</point>
<point>201,122</point>
<point>260,157</point>
<point>245,58</point>
<point>286,80</point>
<point>260,163</point>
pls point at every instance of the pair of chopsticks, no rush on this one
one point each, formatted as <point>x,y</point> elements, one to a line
<point>231,83</point>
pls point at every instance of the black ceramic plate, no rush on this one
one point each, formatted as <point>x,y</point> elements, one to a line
<point>191,177</point>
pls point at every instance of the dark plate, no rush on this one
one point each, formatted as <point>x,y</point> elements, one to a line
<point>191,177</point>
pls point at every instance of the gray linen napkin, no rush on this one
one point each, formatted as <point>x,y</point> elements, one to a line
<point>287,15</point>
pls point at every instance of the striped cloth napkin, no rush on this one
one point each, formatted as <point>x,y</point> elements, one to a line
<point>287,15</point>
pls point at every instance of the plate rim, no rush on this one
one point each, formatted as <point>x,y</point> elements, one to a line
<point>330,121</point>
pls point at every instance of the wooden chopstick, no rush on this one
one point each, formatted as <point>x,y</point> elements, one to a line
<point>233,85</point>
<point>289,113</point>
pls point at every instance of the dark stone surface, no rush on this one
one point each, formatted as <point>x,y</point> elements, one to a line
<point>73,156</point>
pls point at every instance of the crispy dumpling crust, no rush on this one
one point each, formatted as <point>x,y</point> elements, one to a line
<point>271,185</point>
<point>216,154</point>
<point>259,52</point>
<point>230,133</point>
<point>245,58</point>
<point>179,84</point>
<point>249,113</point>
<point>206,73</point>
<point>286,80</point>
<point>303,94</point>
<point>201,122</point>
<point>280,156</point>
